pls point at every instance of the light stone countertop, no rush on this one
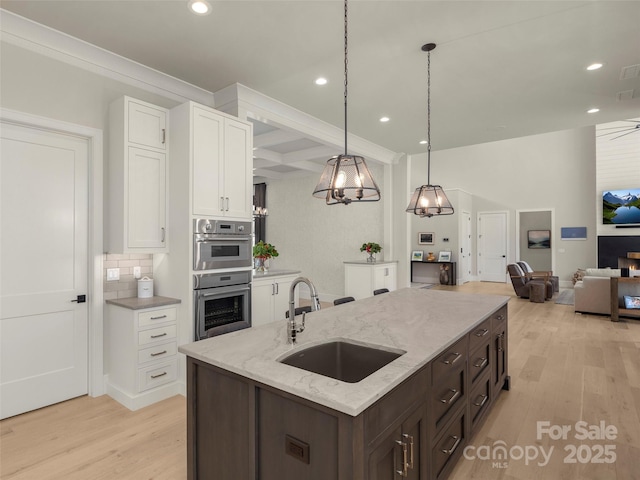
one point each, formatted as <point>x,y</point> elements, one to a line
<point>135,303</point>
<point>365,262</point>
<point>274,273</point>
<point>421,322</point>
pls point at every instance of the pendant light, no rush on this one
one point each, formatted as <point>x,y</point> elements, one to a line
<point>346,178</point>
<point>429,200</point>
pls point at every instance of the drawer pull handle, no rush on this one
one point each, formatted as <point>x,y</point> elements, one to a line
<point>159,375</point>
<point>158,336</point>
<point>480,400</point>
<point>456,358</point>
<point>481,362</point>
<point>410,438</point>
<point>481,333</point>
<point>455,394</point>
<point>501,342</point>
<point>158,318</point>
<point>405,464</point>
<point>457,441</point>
<point>159,353</point>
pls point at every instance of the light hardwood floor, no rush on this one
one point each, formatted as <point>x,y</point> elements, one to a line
<point>564,368</point>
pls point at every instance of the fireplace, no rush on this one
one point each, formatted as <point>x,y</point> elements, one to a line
<point>612,247</point>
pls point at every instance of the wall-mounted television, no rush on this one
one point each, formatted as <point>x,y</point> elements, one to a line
<point>621,207</point>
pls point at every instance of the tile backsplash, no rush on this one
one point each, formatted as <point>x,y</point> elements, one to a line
<point>127,286</point>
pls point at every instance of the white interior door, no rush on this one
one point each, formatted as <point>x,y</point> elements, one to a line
<point>465,248</point>
<point>492,246</point>
<point>43,268</point>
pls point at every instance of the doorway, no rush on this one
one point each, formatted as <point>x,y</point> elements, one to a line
<point>465,248</point>
<point>492,246</point>
<point>529,224</point>
<point>51,176</point>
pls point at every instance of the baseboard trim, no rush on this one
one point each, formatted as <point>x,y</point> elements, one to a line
<point>144,399</point>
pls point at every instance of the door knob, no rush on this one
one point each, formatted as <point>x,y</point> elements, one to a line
<point>80,299</point>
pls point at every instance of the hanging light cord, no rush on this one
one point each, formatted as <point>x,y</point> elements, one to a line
<point>429,118</point>
<point>345,75</point>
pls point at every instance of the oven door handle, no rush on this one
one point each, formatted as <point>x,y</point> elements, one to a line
<point>227,238</point>
<point>222,290</point>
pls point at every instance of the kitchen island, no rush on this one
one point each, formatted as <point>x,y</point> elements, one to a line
<point>250,416</point>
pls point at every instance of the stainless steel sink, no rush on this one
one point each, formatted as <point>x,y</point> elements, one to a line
<point>345,361</point>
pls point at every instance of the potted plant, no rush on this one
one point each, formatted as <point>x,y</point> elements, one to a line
<point>261,252</point>
<point>371,248</point>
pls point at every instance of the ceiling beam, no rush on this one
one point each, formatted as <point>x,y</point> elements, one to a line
<point>274,138</point>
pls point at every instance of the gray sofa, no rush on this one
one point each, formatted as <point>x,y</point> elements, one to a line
<point>593,292</point>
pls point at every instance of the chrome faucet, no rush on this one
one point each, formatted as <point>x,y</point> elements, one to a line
<point>292,328</point>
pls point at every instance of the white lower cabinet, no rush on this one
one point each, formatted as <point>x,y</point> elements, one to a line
<point>362,278</point>
<point>142,354</point>
<point>270,298</point>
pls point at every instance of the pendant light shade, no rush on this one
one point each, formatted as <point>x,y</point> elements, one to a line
<point>429,200</point>
<point>346,178</point>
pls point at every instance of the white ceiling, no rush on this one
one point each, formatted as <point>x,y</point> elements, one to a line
<point>502,69</point>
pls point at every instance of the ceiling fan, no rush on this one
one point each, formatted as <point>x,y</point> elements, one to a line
<point>622,130</point>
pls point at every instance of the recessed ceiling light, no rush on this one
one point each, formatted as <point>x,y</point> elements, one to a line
<point>423,142</point>
<point>384,119</point>
<point>199,7</point>
<point>593,110</point>
<point>321,81</point>
<point>594,66</point>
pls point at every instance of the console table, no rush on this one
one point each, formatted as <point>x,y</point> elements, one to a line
<point>630,286</point>
<point>452,269</point>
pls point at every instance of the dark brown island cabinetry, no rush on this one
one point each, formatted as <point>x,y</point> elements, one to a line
<point>241,429</point>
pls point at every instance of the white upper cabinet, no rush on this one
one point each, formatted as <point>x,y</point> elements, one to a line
<point>208,185</point>
<point>147,125</point>
<point>221,160</point>
<point>137,177</point>
<point>238,168</point>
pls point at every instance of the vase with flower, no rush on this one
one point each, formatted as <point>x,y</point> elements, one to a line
<point>261,253</point>
<point>371,248</point>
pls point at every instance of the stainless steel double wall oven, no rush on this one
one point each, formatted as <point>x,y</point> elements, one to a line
<point>222,296</point>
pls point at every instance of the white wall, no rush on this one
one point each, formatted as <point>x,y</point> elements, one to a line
<point>316,238</point>
<point>554,170</point>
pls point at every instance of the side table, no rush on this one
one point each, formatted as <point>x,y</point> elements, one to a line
<point>621,286</point>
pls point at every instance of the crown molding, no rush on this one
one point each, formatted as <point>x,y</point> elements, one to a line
<point>35,37</point>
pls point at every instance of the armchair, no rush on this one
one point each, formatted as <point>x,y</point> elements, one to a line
<point>522,283</point>
<point>547,276</point>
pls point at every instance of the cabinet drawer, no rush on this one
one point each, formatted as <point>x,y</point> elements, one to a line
<point>480,334</point>
<point>159,352</point>
<point>448,447</point>
<point>154,335</point>
<point>499,317</point>
<point>479,399</point>
<point>154,317</point>
<point>450,361</point>
<point>155,376</point>
<point>446,395</point>
<point>479,361</point>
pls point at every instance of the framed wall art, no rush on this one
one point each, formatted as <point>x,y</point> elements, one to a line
<point>573,233</point>
<point>425,238</point>
<point>416,255</point>
<point>539,238</point>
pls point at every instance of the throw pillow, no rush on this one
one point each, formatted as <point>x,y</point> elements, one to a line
<point>631,302</point>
